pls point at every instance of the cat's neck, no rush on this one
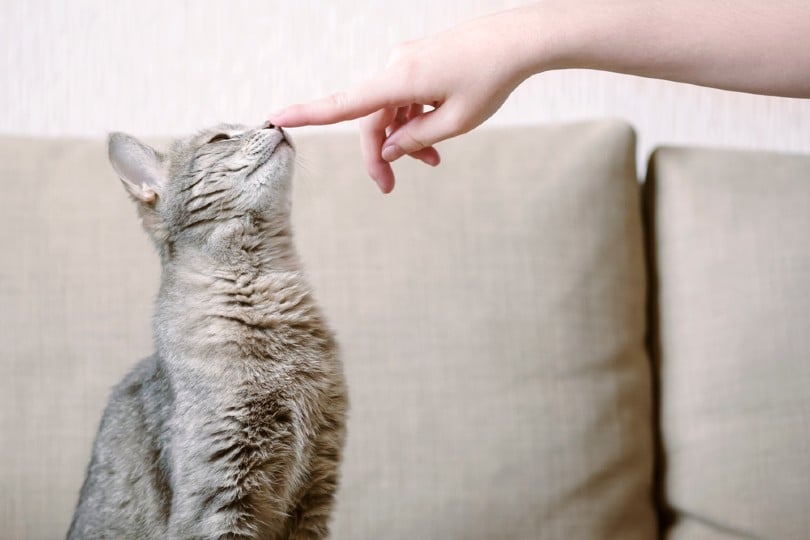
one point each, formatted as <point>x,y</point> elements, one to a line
<point>207,305</point>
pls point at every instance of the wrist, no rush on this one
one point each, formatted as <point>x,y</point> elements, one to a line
<point>563,34</point>
<point>540,37</point>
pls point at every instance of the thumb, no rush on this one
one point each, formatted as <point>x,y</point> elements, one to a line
<point>421,132</point>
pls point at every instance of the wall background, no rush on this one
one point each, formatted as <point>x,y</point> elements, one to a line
<point>85,67</point>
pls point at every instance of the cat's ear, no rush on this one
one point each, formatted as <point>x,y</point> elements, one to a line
<point>140,167</point>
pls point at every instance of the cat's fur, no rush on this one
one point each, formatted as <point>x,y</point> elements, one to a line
<point>234,427</point>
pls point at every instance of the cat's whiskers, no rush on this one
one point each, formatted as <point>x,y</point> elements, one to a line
<point>306,172</point>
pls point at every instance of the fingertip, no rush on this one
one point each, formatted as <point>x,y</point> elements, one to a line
<point>386,186</point>
<point>391,152</point>
<point>428,155</point>
<point>383,176</point>
<point>277,114</point>
<point>303,114</point>
<point>291,116</point>
<point>432,157</point>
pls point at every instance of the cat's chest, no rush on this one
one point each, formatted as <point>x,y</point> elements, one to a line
<point>251,400</point>
<point>244,439</point>
<point>234,433</point>
<point>236,414</point>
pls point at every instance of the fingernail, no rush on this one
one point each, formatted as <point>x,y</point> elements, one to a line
<point>391,152</point>
<point>276,115</point>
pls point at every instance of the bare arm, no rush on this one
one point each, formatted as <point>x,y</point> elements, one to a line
<point>467,72</point>
<point>745,45</point>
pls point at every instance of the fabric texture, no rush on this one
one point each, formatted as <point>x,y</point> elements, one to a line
<point>491,314</point>
<point>731,232</point>
<point>77,281</point>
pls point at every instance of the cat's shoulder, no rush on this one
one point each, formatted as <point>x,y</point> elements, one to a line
<point>143,397</point>
<point>149,370</point>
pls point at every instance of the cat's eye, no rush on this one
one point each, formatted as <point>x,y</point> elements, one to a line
<point>219,137</point>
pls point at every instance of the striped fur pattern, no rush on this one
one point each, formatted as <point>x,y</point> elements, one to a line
<point>234,427</point>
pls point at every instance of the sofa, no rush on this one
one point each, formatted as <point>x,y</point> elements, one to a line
<point>538,343</point>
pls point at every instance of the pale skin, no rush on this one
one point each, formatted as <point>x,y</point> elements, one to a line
<point>444,85</point>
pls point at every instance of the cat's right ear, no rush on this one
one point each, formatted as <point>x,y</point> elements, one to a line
<point>140,167</point>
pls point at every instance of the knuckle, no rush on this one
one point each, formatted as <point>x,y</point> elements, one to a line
<point>400,51</point>
<point>405,59</point>
<point>412,142</point>
<point>408,70</point>
<point>339,100</point>
<point>457,123</point>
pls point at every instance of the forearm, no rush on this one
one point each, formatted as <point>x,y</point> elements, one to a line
<point>745,45</point>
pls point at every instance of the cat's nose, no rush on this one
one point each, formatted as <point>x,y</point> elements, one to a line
<point>268,128</point>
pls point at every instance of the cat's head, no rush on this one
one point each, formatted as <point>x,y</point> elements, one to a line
<point>207,189</point>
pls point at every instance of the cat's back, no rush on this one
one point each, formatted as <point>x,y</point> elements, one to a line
<point>126,492</point>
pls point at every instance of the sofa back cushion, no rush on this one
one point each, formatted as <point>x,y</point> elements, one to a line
<point>731,232</point>
<point>492,318</point>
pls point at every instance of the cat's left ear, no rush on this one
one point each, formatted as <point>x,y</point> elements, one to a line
<point>140,167</point>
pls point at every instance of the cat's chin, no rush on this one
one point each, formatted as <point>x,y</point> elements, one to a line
<point>276,165</point>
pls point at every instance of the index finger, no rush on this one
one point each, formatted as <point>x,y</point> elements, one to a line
<point>362,100</point>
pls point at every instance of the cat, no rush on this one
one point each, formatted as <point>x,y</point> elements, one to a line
<point>234,427</point>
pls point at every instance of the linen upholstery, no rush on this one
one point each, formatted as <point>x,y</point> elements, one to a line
<point>731,237</point>
<point>492,317</point>
<point>491,314</point>
<point>77,279</point>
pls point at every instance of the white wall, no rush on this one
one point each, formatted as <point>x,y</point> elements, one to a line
<point>155,67</point>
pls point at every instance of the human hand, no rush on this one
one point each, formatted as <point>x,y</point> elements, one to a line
<point>432,89</point>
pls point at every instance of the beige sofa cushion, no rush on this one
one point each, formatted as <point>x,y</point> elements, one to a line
<point>77,281</point>
<point>732,237</point>
<point>491,316</point>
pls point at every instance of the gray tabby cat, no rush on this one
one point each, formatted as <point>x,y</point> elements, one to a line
<point>234,428</point>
